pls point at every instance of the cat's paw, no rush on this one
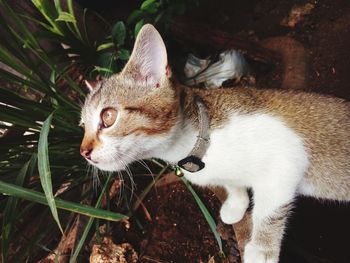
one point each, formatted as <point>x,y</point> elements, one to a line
<point>255,254</point>
<point>231,214</point>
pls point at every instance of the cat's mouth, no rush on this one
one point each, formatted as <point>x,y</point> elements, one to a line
<point>110,165</point>
<point>113,155</point>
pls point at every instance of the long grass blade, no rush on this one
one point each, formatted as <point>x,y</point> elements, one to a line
<point>34,196</point>
<point>75,24</point>
<point>49,12</point>
<point>86,231</point>
<point>44,169</point>
<point>205,212</point>
<point>11,207</point>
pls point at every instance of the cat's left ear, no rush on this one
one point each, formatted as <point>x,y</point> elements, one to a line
<point>148,61</point>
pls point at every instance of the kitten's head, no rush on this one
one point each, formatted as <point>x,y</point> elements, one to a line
<point>131,114</point>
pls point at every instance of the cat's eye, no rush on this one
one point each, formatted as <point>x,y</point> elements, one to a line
<point>108,117</point>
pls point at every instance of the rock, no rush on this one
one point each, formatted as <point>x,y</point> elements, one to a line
<point>108,252</point>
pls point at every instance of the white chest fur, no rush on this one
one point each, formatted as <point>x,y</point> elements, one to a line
<point>251,150</point>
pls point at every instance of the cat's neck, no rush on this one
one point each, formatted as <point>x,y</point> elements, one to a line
<point>220,104</point>
<point>179,145</point>
<point>183,136</point>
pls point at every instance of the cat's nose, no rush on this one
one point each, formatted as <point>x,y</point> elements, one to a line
<point>86,152</point>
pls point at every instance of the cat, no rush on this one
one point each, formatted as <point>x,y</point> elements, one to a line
<point>280,144</point>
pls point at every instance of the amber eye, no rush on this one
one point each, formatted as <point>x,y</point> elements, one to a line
<point>108,117</point>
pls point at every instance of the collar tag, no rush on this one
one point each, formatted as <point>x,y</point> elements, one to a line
<point>191,164</point>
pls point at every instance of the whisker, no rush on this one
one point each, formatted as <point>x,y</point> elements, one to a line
<point>121,188</point>
<point>132,182</point>
<point>133,159</point>
<point>148,169</point>
<point>96,180</point>
<point>140,161</point>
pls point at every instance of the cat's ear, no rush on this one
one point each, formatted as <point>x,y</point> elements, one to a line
<point>148,61</point>
<point>92,84</point>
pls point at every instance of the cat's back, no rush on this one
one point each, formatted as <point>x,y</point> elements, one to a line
<point>322,121</point>
<point>300,110</point>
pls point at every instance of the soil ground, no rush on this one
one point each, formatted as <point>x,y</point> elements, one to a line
<point>179,232</point>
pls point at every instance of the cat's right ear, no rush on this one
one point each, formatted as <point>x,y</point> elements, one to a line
<point>92,84</point>
<point>148,61</point>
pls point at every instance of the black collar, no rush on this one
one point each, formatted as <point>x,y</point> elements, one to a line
<point>193,162</point>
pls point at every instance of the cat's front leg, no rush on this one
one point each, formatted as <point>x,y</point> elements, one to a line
<point>234,207</point>
<point>270,213</point>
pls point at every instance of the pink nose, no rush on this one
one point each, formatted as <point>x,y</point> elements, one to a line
<point>86,152</point>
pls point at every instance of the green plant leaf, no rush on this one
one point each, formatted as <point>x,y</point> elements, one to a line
<point>34,196</point>
<point>106,62</point>
<point>43,24</point>
<point>119,33</point>
<point>16,117</point>
<point>103,70</point>
<point>44,169</point>
<point>123,54</point>
<point>146,4</point>
<point>150,6</point>
<point>66,17</point>
<point>138,27</point>
<point>105,46</point>
<point>134,16</point>
<point>75,24</point>
<point>204,211</point>
<point>49,11</point>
